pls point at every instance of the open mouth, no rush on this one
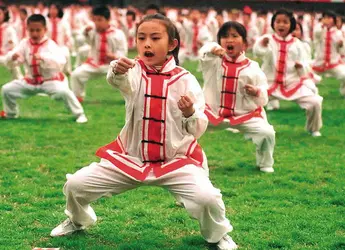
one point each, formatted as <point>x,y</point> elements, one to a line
<point>281,30</point>
<point>230,47</point>
<point>148,54</point>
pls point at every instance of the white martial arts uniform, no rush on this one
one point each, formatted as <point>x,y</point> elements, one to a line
<point>285,81</point>
<point>110,41</point>
<point>8,40</point>
<point>327,54</point>
<point>157,146</point>
<point>43,76</point>
<point>226,98</point>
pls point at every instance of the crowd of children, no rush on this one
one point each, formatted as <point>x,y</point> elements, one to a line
<point>166,109</point>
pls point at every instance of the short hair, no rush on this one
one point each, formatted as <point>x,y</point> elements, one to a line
<point>37,18</point>
<point>224,30</point>
<point>101,11</point>
<point>60,10</point>
<point>131,13</point>
<point>287,13</point>
<point>23,10</point>
<point>6,14</point>
<point>152,6</point>
<point>331,14</point>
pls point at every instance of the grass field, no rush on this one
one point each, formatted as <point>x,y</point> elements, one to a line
<point>300,206</point>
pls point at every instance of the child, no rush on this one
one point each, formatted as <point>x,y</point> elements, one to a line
<point>329,41</point>
<point>8,40</point>
<point>235,88</point>
<point>286,71</point>
<point>157,146</point>
<point>107,44</point>
<point>20,24</point>
<point>60,32</point>
<point>128,25</point>
<point>43,61</point>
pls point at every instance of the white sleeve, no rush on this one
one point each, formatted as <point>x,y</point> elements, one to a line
<point>20,50</point>
<point>53,58</point>
<point>260,81</point>
<point>197,123</point>
<point>121,44</point>
<point>258,49</point>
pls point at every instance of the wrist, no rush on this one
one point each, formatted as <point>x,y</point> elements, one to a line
<point>188,114</point>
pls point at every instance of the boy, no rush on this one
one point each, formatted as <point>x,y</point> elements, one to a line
<point>107,44</point>
<point>43,63</point>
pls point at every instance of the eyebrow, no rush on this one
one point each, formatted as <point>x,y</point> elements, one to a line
<point>155,33</point>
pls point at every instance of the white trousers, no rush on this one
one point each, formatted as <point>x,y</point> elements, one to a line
<point>339,73</point>
<point>18,89</point>
<point>16,72</point>
<point>82,74</point>
<point>263,136</point>
<point>201,200</point>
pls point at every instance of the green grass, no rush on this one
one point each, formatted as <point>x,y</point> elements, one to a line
<point>300,206</point>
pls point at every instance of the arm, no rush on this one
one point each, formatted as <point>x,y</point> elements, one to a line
<point>16,56</point>
<point>261,46</point>
<point>260,82</point>
<point>195,124</point>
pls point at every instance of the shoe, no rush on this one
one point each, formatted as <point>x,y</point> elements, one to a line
<point>2,114</point>
<point>267,169</point>
<point>226,243</point>
<point>315,134</point>
<point>65,228</point>
<point>179,204</point>
<point>233,130</point>
<point>81,119</point>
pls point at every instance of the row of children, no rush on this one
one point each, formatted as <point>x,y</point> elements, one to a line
<point>165,110</point>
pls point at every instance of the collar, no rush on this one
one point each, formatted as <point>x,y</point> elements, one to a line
<point>288,38</point>
<point>169,65</point>
<point>43,40</point>
<point>239,59</point>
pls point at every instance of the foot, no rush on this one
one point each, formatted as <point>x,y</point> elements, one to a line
<point>179,204</point>
<point>81,118</point>
<point>4,115</point>
<point>226,243</point>
<point>267,169</point>
<point>233,130</point>
<point>65,228</point>
<point>315,134</point>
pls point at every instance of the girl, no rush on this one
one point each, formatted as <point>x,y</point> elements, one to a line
<point>8,40</point>
<point>283,64</point>
<point>157,146</point>
<point>329,41</point>
<point>60,32</point>
<point>235,88</point>
<point>307,58</point>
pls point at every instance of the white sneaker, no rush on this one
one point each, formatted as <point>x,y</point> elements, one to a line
<point>226,243</point>
<point>65,228</point>
<point>233,130</point>
<point>179,203</point>
<point>267,169</point>
<point>315,134</point>
<point>81,119</point>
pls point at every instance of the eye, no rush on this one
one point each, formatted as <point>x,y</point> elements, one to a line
<point>155,38</point>
<point>141,38</point>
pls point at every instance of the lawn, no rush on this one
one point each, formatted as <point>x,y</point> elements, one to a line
<point>300,206</point>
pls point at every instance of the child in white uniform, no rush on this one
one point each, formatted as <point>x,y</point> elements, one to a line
<point>286,71</point>
<point>157,146</point>
<point>235,88</point>
<point>43,63</point>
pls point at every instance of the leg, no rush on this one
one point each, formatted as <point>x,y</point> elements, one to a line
<point>202,201</point>
<point>89,184</point>
<point>339,73</point>
<point>11,92</point>
<point>60,90</point>
<point>68,66</point>
<point>273,104</point>
<point>313,107</point>
<point>79,77</point>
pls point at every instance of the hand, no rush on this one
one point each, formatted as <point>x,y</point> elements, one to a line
<point>87,29</point>
<point>265,42</point>
<point>340,44</point>
<point>123,65</point>
<point>185,104</point>
<point>298,65</point>
<point>15,56</point>
<point>251,90</point>
<point>218,51</point>
<point>110,57</point>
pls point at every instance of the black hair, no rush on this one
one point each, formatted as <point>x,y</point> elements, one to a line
<point>152,6</point>
<point>60,10</point>
<point>6,14</point>
<point>24,11</point>
<point>224,30</point>
<point>101,11</point>
<point>289,15</point>
<point>131,13</point>
<point>301,28</point>
<point>37,18</point>
<point>331,14</point>
<point>171,30</point>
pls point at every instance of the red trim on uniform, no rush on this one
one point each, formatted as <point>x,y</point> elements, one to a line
<point>54,29</point>
<point>23,29</point>
<point>213,119</point>
<point>130,38</point>
<point>1,37</point>
<point>321,69</point>
<point>195,39</point>
<point>59,77</point>
<point>103,48</point>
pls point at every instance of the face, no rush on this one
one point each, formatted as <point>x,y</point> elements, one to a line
<point>246,18</point>
<point>233,43</point>
<point>22,16</point>
<point>36,31</point>
<point>129,18</point>
<point>2,16</point>
<point>53,11</point>
<point>339,22</point>
<point>195,16</point>
<point>297,32</point>
<point>101,23</point>
<point>328,21</point>
<point>153,43</point>
<point>282,25</point>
